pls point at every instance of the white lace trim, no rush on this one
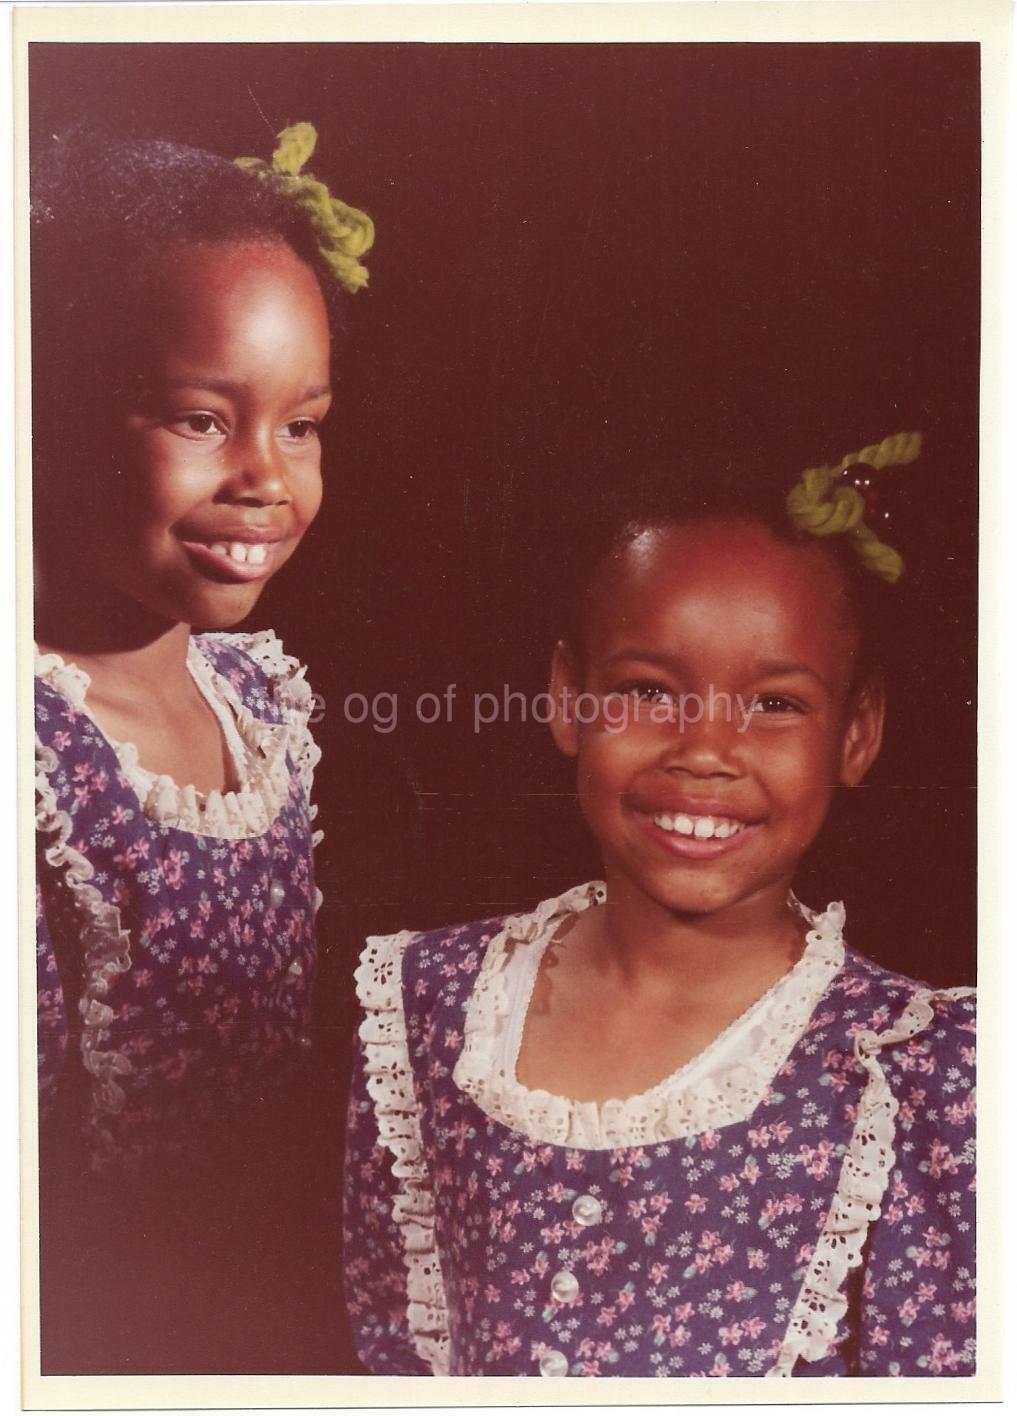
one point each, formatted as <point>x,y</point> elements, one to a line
<point>711,1091</point>
<point>105,951</point>
<point>259,748</point>
<point>293,693</point>
<point>390,1086</point>
<point>821,1302</point>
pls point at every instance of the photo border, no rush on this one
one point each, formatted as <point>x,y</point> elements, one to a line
<point>985,22</point>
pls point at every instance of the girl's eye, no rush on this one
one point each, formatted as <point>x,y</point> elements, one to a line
<point>773,703</point>
<point>196,425</point>
<point>301,429</point>
<point>645,692</point>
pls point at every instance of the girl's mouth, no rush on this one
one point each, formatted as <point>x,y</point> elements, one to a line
<point>696,837</point>
<point>233,561</point>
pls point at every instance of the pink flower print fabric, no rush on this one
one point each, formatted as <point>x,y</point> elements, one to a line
<point>683,1258</point>
<point>208,943</point>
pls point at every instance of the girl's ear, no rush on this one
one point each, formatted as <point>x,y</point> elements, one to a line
<point>863,734</point>
<point>563,687</point>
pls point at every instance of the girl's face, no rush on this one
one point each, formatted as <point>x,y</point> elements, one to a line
<point>721,659</point>
<point>219,458</point>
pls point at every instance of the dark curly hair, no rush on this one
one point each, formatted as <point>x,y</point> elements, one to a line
<point>102,210</point>
<point>657,496</point>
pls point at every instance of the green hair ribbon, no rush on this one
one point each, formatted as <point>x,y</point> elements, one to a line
<point>818,505</point>
<point>344,233</point>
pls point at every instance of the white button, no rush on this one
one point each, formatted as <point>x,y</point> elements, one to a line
<point>276,893</point>
<point>554,1364</point>
<point>565,1286</point>
<point>296,969</point>
<point>587,1210</point>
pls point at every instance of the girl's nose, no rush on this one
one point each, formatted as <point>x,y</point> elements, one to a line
<point>259,475</point>
<point>704,739</point>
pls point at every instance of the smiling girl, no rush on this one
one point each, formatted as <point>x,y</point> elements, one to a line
<point>669,1123</point>
<point>184,308</point>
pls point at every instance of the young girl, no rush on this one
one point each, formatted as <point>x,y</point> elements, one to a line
<point>670,1124</point>
<point>183,314</point>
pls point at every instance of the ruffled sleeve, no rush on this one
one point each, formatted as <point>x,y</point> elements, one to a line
<point>102,946</point>
<point>393,1284</point>
<point>903,1211</point>
<point>374,1266</point>
<point>918,1295</point>
<point>51,1011</point>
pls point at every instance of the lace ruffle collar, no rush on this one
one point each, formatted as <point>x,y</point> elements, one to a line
<point>259,750</point>
<point>722,1085</point>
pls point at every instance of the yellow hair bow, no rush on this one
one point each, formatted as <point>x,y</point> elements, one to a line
<point>344,233</point>
<point>818,505</point>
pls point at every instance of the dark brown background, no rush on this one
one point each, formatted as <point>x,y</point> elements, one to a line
<point>587,256</point>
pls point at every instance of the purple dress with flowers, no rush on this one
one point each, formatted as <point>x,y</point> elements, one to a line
<point>797,1201</point>
<point>176,954</point>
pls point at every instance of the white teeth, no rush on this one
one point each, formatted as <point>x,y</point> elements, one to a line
<point>704,828</point>
<point>240,552</point>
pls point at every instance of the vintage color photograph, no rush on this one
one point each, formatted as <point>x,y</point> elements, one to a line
<point>505,602</point>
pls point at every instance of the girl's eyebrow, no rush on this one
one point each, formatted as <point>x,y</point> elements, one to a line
<point>779,668</point>
<point>645,656</point>
<point>231,386</point>
<point>764,668</point>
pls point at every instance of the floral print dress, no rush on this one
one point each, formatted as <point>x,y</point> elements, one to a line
<point>797,1201</point>
<point>175,939</point>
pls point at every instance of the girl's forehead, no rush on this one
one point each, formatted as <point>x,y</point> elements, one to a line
<point>718,584</point>
<point>203,268</point>
<point>204,297</point>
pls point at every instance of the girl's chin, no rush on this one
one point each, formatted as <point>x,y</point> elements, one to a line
<point>697,902</point>
<point>203,618</point>
<point>211,624</point>
<point>227,606</point>
<point>690,892</point>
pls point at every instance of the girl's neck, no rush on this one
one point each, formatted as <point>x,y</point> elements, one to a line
<point>650,947</point>
<point>110,637</point>
<point>141,690</point>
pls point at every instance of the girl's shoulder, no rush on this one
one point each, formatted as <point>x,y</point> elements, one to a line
<point>409,969</point>
<point>269,682</point>
<point>881,999</point>
<point>60,689</point>
<point>69,747</point>
<point>923,1037</point>
<point>443,964</point>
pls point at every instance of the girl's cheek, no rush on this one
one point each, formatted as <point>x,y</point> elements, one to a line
<point>167,473</point>
<point>802,770</point>
<point>315,498</point>
<point>608,761</point>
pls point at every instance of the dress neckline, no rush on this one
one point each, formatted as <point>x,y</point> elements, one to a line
<point>722,1084</point>
<point>257,750</point>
